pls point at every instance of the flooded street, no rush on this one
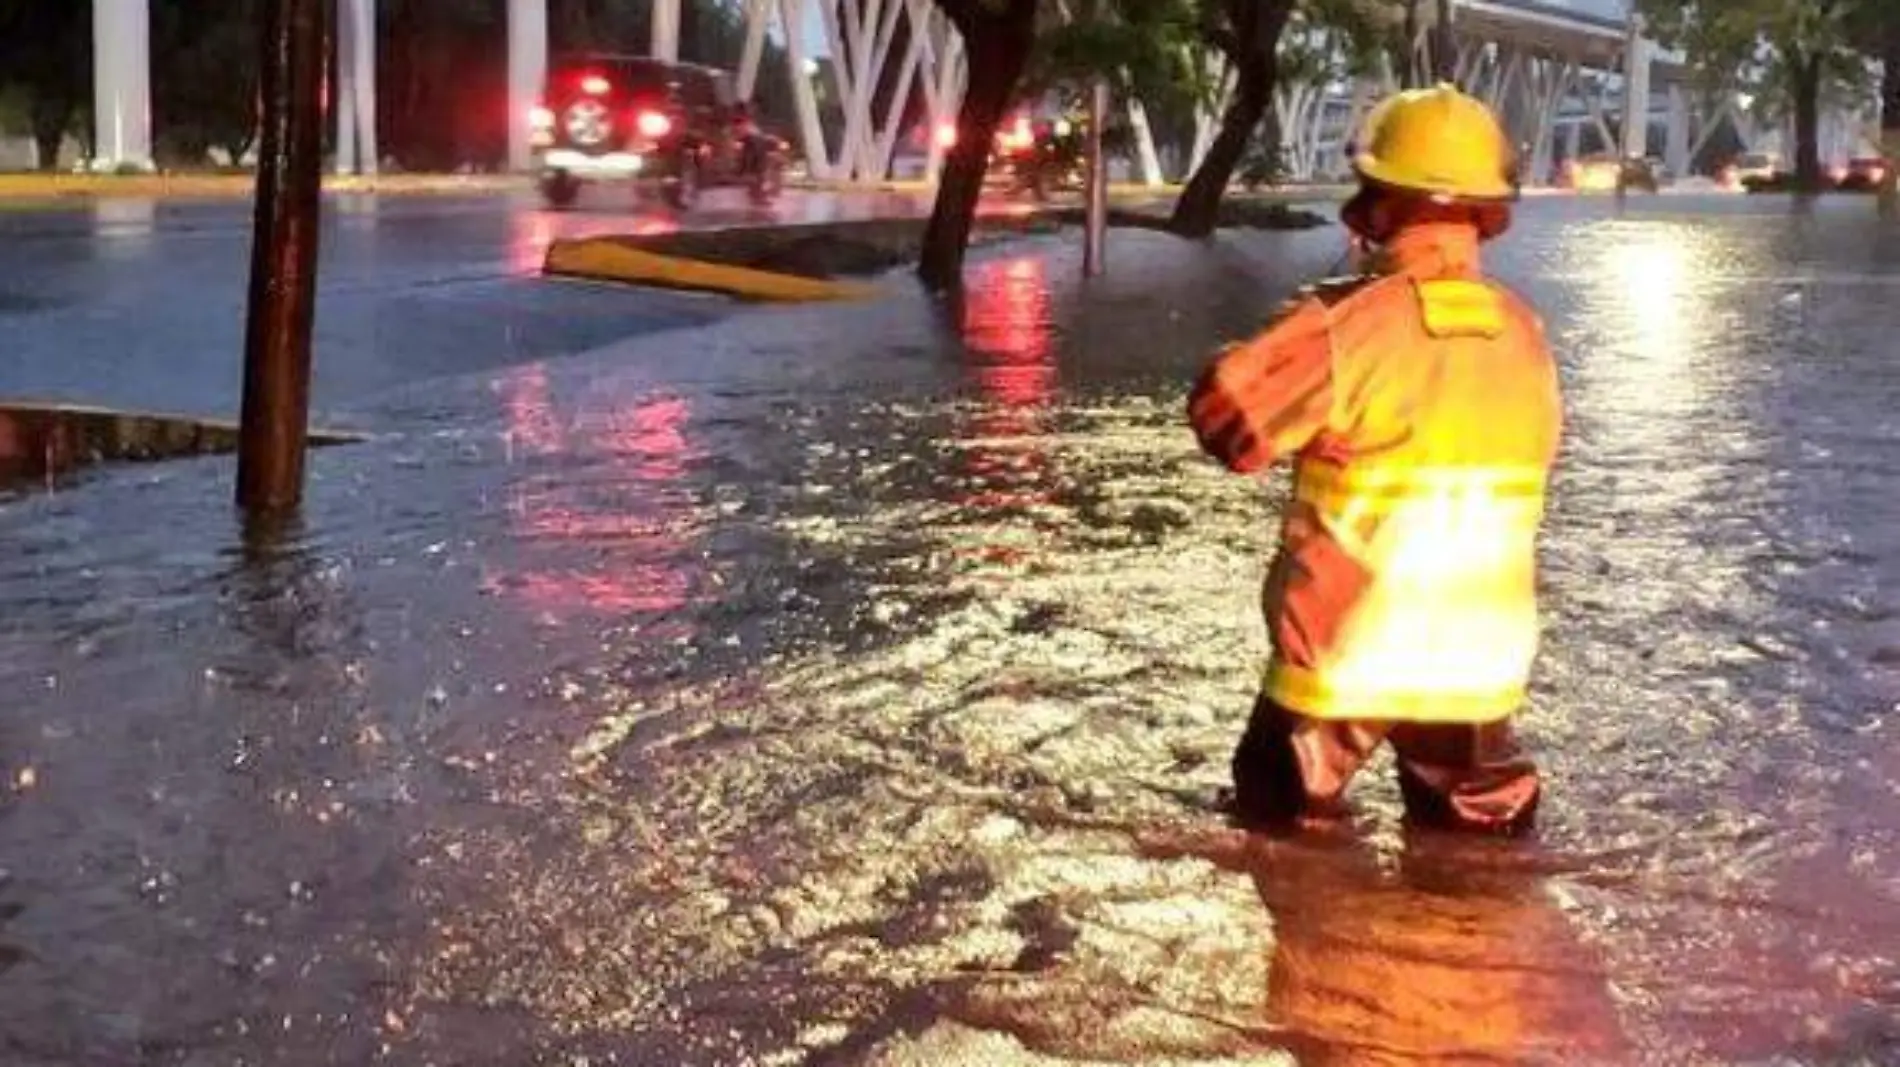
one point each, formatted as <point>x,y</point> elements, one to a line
<point>855,685</point>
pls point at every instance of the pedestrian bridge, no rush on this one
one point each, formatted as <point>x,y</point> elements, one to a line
<point>1551,67</point>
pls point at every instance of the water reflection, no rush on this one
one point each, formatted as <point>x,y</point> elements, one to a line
<point>1441,953</point>
<point>1004,318</point>
<point>598,502</point>
<point>128,226</point>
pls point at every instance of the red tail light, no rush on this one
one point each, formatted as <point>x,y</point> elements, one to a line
<point>947,135</point>
<point>653,124</point>
<point>595,85</point>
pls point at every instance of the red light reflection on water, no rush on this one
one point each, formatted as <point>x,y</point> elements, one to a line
<point>1006,324</point>
<point>606,534</point>
<point>531,232</point>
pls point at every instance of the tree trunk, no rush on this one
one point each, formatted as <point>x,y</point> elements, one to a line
<point>1257,66</point>
<point>998,47</point>
<point>1807,122</point>
<point>51,115</point>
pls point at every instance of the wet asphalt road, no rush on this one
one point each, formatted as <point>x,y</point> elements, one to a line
<point>854,686</point>
<point>140,304</point>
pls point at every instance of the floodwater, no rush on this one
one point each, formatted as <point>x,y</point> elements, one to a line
<point>855,686</point>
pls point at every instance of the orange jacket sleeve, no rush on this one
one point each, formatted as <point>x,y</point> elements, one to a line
<point>1266,398</point>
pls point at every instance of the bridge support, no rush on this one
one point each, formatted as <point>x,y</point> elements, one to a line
<point>121,84</point>
<point>1638,56</point>
<point>863,41</point>
<point>356,148</point>
<point>527,70</point>
<point>666,30</point>
<point>1676,155</point>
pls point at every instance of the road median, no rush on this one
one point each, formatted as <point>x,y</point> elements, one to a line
<point>804,263</point>
<point>830,261</point>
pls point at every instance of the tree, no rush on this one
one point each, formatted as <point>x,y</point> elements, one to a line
<point>1247,33</point>
<point>1788,52</point>
<point>46,49</point>
<point>205,76</point>
<point>998,38</point>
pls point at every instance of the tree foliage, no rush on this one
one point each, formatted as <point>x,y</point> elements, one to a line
<point>1790,55</point>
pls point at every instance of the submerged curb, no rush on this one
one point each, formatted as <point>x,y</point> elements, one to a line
<point>612,259</point>
<point>41,440</point>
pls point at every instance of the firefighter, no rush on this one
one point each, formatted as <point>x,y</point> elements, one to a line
<point>1420,406</point>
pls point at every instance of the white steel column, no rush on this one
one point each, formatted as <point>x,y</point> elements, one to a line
<point>1638,54</point>
<point>943,85</point>
<point>1676,155</point>
<point>792,21</point>
<point>758,16</point>
<point>666,30</point>
<point>1147,160</point>
<point>121,84</point>
<point>527,70</point>
<point>886,148</point>
<point>356,148</point>
<point>1550,82</point>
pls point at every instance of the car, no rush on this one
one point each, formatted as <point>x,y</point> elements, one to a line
<point>1610,173</point>
<point>1752,169</point>
<point>1863,174</point>
<point>679,128</point>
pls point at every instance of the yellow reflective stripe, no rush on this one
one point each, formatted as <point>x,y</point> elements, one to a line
<point>1322,484</point>
<point>1308,692</point>
<point>1452,307</point>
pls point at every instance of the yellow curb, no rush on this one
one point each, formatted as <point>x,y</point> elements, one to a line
<point>610,260</point>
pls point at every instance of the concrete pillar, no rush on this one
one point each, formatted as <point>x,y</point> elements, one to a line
<point>758,16</point>
<point>666,30</point>
<point>527,71</point>
<point>356,147</point>
<point>122,84</point>
<point>1638,54</point>
<point>1573,139</point>
<point>1676,154</point>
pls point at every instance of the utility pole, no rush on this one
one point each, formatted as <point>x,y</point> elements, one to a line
<point>275,427</point>
<point>1095,239</point>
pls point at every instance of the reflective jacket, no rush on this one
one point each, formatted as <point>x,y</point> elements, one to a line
<point>1422,406</point>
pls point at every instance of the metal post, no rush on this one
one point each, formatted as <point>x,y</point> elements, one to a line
<point>1095,239</point>
<point>1636,92</point>
<point>527,70</point>
<point>283,258</point>
<point>122,84</point>
<point>666,30</point>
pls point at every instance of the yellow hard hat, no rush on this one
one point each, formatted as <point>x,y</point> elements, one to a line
<point>1439,142</point>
